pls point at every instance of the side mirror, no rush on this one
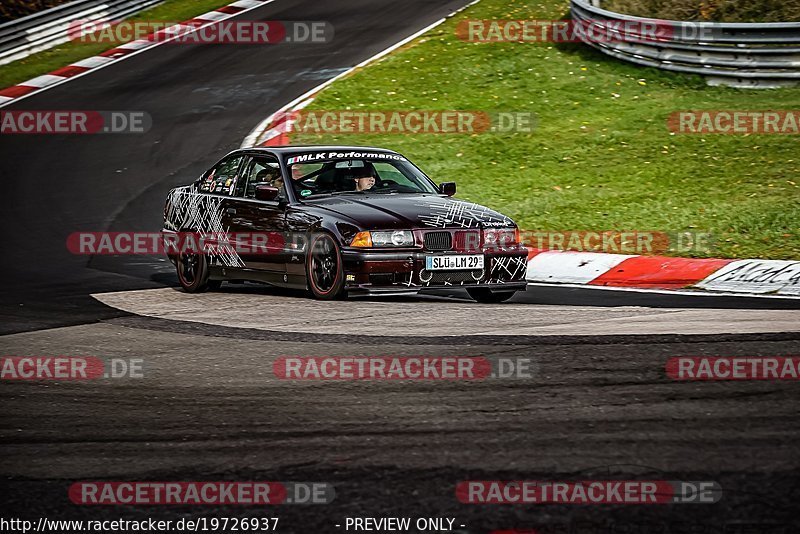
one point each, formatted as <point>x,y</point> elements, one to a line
<point>448,188</point>
<point>266,192</point>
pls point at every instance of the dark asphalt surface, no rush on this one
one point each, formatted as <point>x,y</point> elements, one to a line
<point>209,406</point>
<point>203,100</point>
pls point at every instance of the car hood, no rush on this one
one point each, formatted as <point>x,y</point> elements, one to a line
<point>387,211</point>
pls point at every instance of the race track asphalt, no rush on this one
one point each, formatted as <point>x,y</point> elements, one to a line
<point>203,100</point>
<point>209,407</point>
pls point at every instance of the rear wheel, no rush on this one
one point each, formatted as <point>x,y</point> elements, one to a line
<point>487,296</point>
<point>324,268</point>
<point>193,273</point>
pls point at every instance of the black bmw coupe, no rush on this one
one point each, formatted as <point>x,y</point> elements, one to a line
<point>338,220</point>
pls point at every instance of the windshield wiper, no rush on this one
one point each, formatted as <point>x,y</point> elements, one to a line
<point>334,193</point>
<point>401,191</point>
<point>346,193</point>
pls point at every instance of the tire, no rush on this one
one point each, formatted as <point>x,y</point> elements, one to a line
<point>324,268</point>
<point>193,273</point>
<point>486,296</point>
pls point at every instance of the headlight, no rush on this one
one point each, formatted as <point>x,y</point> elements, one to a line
<point>392,238</point>
<point>396,238</point>
<point>501,237</point>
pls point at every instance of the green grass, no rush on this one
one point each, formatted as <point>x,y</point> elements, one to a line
<point>67,53</point>
<point>601,157</point>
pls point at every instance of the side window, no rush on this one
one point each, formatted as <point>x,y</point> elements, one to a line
<point>221,179</point>
<point>261,170</point>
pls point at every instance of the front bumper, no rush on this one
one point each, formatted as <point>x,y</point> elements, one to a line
<point>389,271</point>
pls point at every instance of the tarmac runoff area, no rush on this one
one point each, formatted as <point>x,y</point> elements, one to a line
<point>251,308</point>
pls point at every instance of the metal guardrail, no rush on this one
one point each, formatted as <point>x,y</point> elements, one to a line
<point>735,54</point>
<point>27,35</point>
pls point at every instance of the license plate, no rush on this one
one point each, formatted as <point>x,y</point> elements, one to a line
<point>454,263</point>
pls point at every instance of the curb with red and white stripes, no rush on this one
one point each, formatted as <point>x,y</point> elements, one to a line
<point>124,51</point>
<point>657,273</point>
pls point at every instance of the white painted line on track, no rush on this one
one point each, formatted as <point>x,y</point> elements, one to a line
<point>253,138</point>
<point>5,100</point>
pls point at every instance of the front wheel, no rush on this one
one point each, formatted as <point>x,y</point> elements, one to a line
<point>193,273</point>
<point>324,268</point>
<point>487,296</point>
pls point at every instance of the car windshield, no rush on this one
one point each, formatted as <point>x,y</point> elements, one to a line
<point>322,175</point>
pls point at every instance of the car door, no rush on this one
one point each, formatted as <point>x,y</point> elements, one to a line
<point>255,222</point>
<point>204,211</point>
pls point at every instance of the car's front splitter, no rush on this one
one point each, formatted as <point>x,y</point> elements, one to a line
<point>405,271</point>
